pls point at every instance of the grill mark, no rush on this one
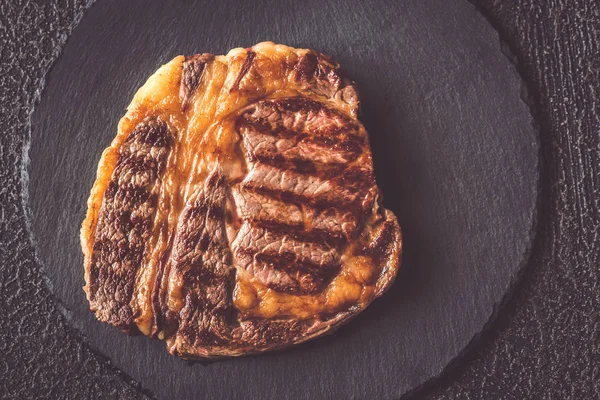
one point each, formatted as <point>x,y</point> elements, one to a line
<point>151,131</point>
<point>290,197</point>
<point>250,55</point>
<point>321,72</point>
<point>305,167</point>
<point>125,223</point>
<point>302,284</point>
<point>316,236</point>
<point>203,260</point>
<point>251,236</point>
<point>283,262</point>
<point>292,275</point>
<point>339,138</point>
<point>328,74</point>
<point>326,136</point>
<point>379,248</point>
<point>280,162</point>
<point>191,75</point>
<point>297,150</point>
<point>306,67</point>
<point>329,225</point>
<point>203,238</point>
<point>296,105</point>
<point>301,151</point>
<point>348,189</point>
<point>345,223</point>
<point>288,261</point>
<point>355,178</point>
<point>301,279</point>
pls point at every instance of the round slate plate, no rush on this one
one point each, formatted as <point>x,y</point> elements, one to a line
<point>455,154</point>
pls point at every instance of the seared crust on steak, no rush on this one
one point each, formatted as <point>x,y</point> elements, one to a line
<point>236,210</point>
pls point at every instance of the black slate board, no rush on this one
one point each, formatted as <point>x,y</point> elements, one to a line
<point>455,154</point>
<point>544,343</point>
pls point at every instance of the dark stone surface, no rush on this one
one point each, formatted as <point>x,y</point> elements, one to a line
<point>456,157</point>
<point>544,343</point>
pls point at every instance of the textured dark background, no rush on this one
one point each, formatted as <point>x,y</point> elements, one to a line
<point>455,152</point>
<point>545,342</point>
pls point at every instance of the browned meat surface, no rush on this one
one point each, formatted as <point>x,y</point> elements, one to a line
<point>236,210</point>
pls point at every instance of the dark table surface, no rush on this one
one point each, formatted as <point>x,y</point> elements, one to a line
<point>545,341</point>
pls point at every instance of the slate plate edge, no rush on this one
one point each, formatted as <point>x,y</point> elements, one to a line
<point>525,97</point>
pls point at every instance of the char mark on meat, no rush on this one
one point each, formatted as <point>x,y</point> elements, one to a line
<point>348,190</point>
<point>304,186</point>
<point>283,261</point>
<point>248,61</point>
<point>312,139</point>
<point>202,262</point>
<point>296,147</point>
<point>125,222</point>
<point>325,224</point>
<point>191,76</point>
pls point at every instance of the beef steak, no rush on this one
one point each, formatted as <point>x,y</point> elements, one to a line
<point>236,210</point>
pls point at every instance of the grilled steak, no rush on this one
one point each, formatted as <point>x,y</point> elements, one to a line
<point>236,210</point>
